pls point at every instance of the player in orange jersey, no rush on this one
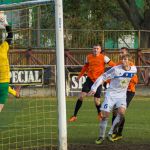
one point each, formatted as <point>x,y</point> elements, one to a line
<point>94,67</point>
<point>130,95</point>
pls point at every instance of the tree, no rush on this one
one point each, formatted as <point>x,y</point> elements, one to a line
<point>94,14</point>
<point>139,18</point>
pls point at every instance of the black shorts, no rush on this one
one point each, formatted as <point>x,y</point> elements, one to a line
<point>130,96</point>
<point>87,87</point>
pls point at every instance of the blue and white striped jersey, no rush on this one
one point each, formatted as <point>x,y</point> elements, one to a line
<point>120,79</point>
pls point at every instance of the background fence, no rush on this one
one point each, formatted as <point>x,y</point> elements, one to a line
<point>79,39</point>
<point>41,79</point>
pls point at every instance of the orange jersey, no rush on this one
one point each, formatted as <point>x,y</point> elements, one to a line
<point>95,66</point>
<point>133,82</point>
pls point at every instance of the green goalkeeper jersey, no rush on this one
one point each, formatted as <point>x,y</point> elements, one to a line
<point>4,63</point>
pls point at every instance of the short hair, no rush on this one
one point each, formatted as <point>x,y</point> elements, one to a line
<point>126,56</point>
<point>97,45</point>
<point>125,48</point>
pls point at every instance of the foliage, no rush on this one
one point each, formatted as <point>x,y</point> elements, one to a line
<point>94,14</point>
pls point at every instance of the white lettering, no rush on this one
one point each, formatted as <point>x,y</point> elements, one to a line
<point>37,77</point>
<point>15,76</point>
<point>26,76</point>
<point>31,77</point>
<point>75,83</point>
<point>20,73</point>
<point>81,81</point>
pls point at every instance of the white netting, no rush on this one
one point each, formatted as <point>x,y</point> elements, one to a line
<point>30,121</point>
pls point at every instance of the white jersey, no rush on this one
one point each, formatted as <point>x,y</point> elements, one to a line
<point>120,79</point>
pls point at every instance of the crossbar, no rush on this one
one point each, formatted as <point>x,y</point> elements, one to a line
<point>20,5</point>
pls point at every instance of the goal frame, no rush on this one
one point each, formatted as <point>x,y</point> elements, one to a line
<point>60,67</point>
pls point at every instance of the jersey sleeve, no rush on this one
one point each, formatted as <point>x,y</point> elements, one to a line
<point>134,79</point>
<point>108,61</point>
<point>83,71</point>
<point>84,68</point>
<point>86,60</point>
<point>107,75</point>
<point>134,69</point>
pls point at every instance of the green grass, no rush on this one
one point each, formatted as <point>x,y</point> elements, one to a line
<point>27,123</point>
<point>86,128</point>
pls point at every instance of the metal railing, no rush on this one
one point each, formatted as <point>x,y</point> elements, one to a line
<point>81,39</point>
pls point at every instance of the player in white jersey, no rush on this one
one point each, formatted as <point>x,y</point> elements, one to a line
<point>115,95</point>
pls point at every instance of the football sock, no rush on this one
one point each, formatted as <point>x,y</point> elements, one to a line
<point>103,125</point>
<point>115,124</point>
<point>113,118</point>
<point>77,107</point>
<point>98,108</point>
<point>121,125</point>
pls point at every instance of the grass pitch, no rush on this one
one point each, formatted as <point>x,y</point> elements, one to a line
<point>32,122</point>
<point>86,128</point>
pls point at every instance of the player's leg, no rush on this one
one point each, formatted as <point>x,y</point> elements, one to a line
<point>97,96</point>
<point>77,106</point>
<point>114,114</point>
<point>130,96</point>
<point>3,94</point>
<point>103,126</point>
<point>105,108</point>
<point>116,123</point>
<point>86,88</point>
<point>120,104</point>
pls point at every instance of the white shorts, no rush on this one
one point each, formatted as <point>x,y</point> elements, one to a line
<point>110,102</point>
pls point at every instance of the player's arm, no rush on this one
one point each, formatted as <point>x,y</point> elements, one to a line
<point>101,79</point>
<point>12,91</point>
<point>84,69</point>
<point>109,62</point>
<point>134,79</point>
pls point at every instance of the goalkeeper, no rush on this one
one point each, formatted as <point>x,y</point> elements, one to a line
<point>4,67</point>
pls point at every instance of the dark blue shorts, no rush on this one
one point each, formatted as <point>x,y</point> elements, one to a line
<point>87,87</point>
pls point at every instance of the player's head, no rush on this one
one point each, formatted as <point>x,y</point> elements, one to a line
<point>97,49</point>
<point>126,59</point>
<point>123,51</point>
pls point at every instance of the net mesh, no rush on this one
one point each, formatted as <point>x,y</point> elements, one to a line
<point>30,121</point>
<point>30,26</point>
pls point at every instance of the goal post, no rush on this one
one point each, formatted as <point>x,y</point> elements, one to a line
<point>60,75</point>
<point>60,68</point>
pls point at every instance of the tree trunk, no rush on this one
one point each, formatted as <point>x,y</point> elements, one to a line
<point>145,39</point>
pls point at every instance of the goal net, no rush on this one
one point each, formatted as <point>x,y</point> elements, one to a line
<point>30,122</point>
